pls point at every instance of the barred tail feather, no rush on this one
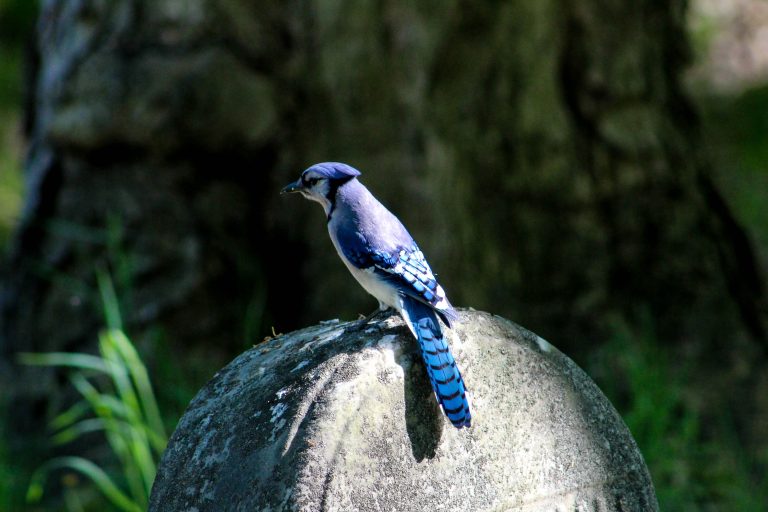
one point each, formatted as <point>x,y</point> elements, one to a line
<point>443,373</point>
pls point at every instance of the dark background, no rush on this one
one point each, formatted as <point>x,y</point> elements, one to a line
<point>596,172</point>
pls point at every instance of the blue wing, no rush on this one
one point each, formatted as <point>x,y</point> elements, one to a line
<point>405,268</point>
<point>410,273</point>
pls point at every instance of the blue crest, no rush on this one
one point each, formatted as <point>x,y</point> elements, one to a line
<point>334,171</point>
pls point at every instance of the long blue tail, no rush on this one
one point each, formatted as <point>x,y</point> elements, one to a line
<point>441,367</point>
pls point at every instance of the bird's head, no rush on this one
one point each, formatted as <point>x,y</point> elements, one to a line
<point>321,181</point>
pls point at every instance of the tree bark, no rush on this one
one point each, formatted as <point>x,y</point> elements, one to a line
<point>582,149</point>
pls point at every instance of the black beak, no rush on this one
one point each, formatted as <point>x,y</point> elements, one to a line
<point>292,187</point>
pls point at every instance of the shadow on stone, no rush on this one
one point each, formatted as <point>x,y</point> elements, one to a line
<point>423,417</point>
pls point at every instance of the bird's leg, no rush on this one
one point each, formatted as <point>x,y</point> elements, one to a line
<point>363,320</point>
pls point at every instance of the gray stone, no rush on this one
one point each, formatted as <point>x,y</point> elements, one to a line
<point>335,417</point>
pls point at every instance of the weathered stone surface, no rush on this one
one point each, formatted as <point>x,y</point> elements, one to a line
<point>336,418</point>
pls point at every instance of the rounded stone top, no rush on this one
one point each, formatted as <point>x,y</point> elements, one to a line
<point>341,417</point>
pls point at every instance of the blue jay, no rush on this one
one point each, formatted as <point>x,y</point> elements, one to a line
<point>385,260</point>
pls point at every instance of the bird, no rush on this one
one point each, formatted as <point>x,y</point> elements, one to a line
<point>386,261</point>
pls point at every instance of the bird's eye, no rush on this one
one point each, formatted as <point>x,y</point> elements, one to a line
<point>312,181</point>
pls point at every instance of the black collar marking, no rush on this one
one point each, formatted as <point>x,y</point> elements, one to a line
<point>333,187</point>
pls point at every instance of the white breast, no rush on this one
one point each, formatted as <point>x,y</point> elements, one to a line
<point>384,293</point>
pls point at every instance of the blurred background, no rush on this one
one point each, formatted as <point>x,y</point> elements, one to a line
<point>596,171</point>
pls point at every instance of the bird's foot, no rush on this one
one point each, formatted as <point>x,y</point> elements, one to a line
<point>363,321</point>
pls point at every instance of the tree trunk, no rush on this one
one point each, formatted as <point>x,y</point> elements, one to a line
<point>542,153</point>
<point>583,193</point>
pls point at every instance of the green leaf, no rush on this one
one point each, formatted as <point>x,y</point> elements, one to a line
<point>87,468</point>
<point>78,429</point>
<point>141,381</point>
<point>66,359</point>
<point>124,408</point>
<point>109,300</point>
<point>71,415</point>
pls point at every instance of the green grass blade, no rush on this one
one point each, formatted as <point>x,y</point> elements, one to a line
<point>142,454</point>
<point>116,436</point>
<point>73,432</point>
<point>134,438</point>
<point>102,404</point>
<point>72,501</point>
<point>141,381</point>
<point>124,407</point>
<point>109,300</point>
<point>118,371</point>
<point>132,383</point>
<point>66,359</point>
<point>158,442</point>
<point>70,416</point>
<point>90,470</point>
<point>106,403</point>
